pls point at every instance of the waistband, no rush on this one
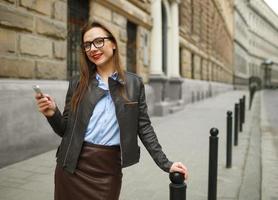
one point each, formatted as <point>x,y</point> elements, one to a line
<point>100,146</point>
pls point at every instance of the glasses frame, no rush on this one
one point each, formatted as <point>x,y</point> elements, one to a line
<point>93,42</point>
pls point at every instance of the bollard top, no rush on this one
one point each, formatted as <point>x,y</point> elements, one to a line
<point>176,177</point>
<point>214,132</point>
<point>229,113</point>
<point>236,104</point>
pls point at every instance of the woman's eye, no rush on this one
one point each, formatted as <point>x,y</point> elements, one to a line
<point>99,41</point>
<point>87,45</point>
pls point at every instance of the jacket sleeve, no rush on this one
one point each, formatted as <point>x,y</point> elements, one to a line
<point>147,134</point>
<point>58,121</point>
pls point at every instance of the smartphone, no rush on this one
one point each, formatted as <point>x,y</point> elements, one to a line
<point>38,90</point>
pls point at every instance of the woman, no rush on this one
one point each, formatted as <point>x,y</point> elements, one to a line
<point>105,111</point>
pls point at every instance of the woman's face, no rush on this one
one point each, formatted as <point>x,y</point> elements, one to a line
<point>103,52</point>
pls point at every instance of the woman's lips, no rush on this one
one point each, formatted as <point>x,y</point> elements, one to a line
<point>97,56</point>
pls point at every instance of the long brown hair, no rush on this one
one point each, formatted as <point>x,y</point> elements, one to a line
<point>88,68</point>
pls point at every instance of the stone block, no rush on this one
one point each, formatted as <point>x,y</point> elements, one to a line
<point>51,28</point>
<point>51,70</point>
<point>122,48</point>
<point>35,46</point>
<point>60,11</point>
<point>119,20</point>
<point>123,35</point>
<point>60,50</point>
<point>11,1</point>
<point>101,11</point>
<point>17,68</point>
<point>15,18</point>
<point>41,6</point>
<point>7,40</point>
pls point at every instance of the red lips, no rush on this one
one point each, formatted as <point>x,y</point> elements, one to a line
<point>97,56</point>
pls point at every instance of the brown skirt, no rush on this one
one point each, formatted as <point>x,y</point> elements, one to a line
<point>98,175</point>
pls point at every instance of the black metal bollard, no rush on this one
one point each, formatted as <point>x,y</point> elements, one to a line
<point>177,186</point>
<point>252,90</point>
<point>236,124</point>
<point>213,162</point>
<point>244,104</point>
<point>240,115</point>
<point>229,139</point>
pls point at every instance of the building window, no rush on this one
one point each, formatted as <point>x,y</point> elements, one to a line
<point>164,38</point>
<point>131,47</point>
<point>192,15</point>
<point>78,14</point>
<point>192,65</point>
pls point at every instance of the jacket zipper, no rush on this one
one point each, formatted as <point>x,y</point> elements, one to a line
<point>64,163</point>
<point>121,149</point>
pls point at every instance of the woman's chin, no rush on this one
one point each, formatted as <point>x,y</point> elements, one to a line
<point>98,62</point>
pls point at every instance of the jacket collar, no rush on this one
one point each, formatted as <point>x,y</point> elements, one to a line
<point>113,81</point>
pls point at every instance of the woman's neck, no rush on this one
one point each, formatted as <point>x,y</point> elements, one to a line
<point>106,71</point>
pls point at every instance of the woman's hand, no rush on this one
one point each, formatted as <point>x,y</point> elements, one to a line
<point>179,167</point>
<point>46,104</point>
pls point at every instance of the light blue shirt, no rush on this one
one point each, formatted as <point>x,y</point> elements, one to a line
<point>103,127</point>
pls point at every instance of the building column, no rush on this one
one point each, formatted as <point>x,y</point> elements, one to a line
<point>174,86</point>
<point>156,39</point>
<point>174,68</point>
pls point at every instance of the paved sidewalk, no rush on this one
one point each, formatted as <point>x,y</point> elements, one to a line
<point>184,137</point>
<point>269,131</point>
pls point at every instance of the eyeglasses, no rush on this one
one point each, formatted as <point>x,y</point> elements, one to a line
<point>98,43</point>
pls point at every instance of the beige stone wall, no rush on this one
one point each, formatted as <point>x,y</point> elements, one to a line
<point>115,14</point>
<point>206,30</point>
<point>186,63</point>
<point>33,39</point>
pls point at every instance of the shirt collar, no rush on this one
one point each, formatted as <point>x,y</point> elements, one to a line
<point>114,76</point>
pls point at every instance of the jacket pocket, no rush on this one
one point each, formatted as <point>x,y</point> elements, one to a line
<point>131,103</point>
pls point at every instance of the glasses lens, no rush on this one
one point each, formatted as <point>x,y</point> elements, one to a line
<point>99,42</point>
<point>87,46</point>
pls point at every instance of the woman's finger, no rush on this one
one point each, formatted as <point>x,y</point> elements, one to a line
<point>44,104</point>
<point>185,169</point>
<point>48,96</point>
<point>179,170</point>
<point>43,99</point>
<point>44,108</point>
<point>180,165</point>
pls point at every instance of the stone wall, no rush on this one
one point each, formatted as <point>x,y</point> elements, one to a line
<point>206,31</point>
<point>24,131</point>
<point>197,90</point>
<point>33,39</point>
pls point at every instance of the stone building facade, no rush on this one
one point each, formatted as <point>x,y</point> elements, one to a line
<point>206,35</point>
<point>256,39</point>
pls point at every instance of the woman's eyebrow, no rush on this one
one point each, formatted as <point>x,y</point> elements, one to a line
<point>90,40</point>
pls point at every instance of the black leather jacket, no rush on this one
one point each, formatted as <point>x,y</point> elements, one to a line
<point>132,118</point>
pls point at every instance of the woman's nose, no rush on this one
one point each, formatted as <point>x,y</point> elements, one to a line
<point>93,48</point>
